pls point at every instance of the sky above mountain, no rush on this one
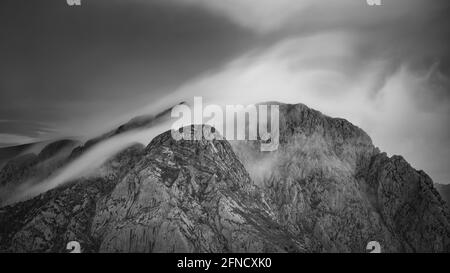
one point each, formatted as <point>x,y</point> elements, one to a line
<point>78,71</point>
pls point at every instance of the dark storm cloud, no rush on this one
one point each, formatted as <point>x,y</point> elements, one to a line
<point>79,69</point>
<point>61,64</point>
<point>385,69</point>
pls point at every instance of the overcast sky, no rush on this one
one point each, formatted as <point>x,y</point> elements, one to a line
<point>76,71</point>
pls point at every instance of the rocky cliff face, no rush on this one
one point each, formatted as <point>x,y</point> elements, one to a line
<point>328,177</point>
<point>185,196</point>
<point>189,196</point>
<point>444,191</point>
<point>326,189</point>
<point>48,222</point>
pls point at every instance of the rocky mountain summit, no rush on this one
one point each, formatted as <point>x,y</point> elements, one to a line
<point>190,196</point>
<point>326,189</point>
<point>171,197</point>
<point>328,177</point>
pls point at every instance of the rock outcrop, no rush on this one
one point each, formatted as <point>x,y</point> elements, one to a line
<point>49,221</point>
<point>326,189</point>
<point>178,196</point>
<point>328,177</point>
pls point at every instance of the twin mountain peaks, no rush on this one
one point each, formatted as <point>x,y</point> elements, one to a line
<point>326,189</point>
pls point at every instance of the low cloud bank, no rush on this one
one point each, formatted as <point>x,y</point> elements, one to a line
<point>88,162</point>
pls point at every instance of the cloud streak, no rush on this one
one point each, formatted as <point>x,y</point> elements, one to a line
<point>266,16</point>
<point>403,115</point>
<point>385,69</point>
<point>12,139</point>
<point>88,163</point>
<point>400,108</point>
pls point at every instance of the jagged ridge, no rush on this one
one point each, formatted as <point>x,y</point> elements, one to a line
<point>327,188</point>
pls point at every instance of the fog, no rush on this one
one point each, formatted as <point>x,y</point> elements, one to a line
<point>89,162</point>
<point>385,69</point>
<point>401,109</point>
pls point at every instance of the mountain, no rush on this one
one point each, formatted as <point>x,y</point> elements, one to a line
<point>170,197</point>
<point>326,189</point>
<point>46,223</point>
<point>444,190</point>
<point>7,153</point>
<point>26,165</point>
<point>30,168</point>
<point>328,177</point>
<point>139,122</point>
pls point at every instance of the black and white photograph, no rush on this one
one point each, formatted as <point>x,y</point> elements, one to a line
<point>230,127</point>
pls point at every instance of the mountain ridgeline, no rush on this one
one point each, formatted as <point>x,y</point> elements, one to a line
<point>326,189</point>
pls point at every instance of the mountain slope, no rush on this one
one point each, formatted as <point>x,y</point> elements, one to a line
<point>29,169</point>
<point>27,165</point>
<point>48,222</point>
<point>444,190</point>
<point>139,122</point>
<point>326,189</point>
<point>328,177</point>
<point>8,153</point>
<point>192,196</point>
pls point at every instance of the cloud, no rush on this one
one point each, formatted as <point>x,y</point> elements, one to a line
<point>12,139</point>
<point>402,107</point>
<point>260,15</point>
<point>382,68</point>
<point>88,163</point>
<point>399,108</point>
<point>88,67</point>
<point>265,16</point>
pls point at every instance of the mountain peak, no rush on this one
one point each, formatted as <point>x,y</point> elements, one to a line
<point>326,188</point>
